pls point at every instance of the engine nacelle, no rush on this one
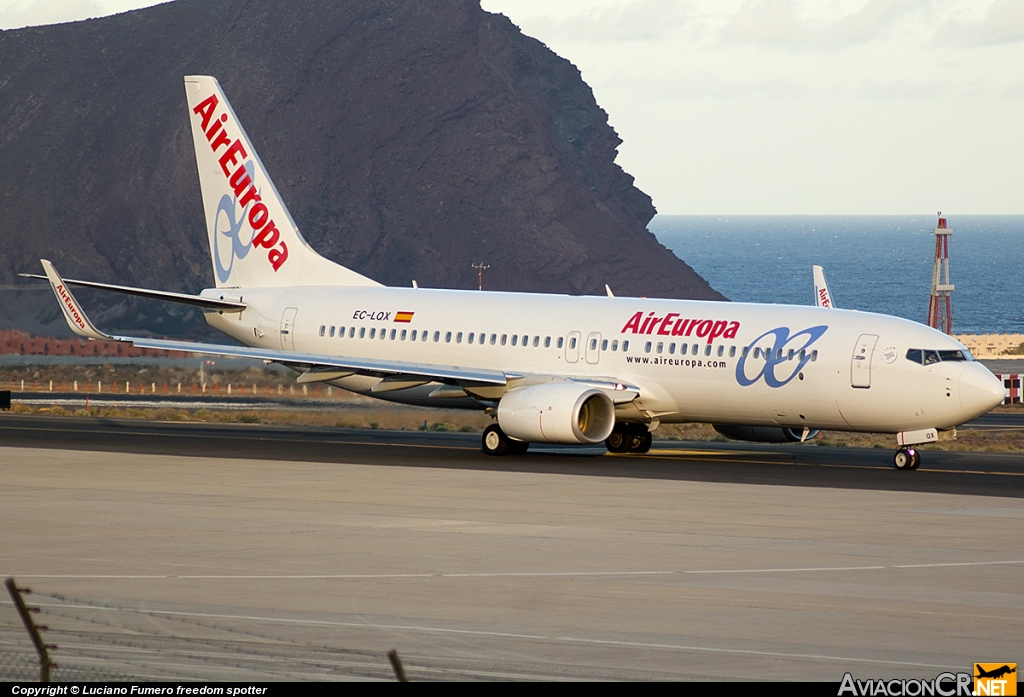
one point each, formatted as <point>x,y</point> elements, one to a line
<point>763,434</point>
<point>557,412</point>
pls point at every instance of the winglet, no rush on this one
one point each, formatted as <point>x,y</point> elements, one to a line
<point>73,312</point>
<point>822,296</point>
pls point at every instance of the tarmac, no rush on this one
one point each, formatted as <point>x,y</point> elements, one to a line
<point>253,553</point>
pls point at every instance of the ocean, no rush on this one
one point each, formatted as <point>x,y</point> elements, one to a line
<point>872,263</point>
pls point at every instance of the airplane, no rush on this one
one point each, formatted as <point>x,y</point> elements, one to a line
<point>995,672</point>
<point>547,368</point>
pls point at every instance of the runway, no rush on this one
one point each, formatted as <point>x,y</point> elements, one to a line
<point>253,552</point>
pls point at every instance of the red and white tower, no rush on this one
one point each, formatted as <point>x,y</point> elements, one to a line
<point>940,306</point>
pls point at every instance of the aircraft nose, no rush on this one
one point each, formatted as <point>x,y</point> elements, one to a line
<point>980,391</point>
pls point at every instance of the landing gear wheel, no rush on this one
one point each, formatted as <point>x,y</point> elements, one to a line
<point>495,442</point>
<point>618,442</point>
<point>518,447</point>
<point>641,442</point>
<point>906,459</point>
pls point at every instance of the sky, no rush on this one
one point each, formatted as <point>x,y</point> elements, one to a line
<point>729,107</point>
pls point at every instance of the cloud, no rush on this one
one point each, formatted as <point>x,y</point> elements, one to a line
<point>1002,24</point>
<point>641,20</point>
<point>14,15</point>
<point>778,23</point>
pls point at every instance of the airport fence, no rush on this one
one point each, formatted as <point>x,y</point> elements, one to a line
<point>91,640</point>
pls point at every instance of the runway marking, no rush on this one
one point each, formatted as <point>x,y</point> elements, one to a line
<point>752,652</point>
<point>519,574</point>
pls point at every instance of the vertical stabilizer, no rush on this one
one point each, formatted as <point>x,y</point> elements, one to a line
<point>253,239</point>
<point>822,296</point>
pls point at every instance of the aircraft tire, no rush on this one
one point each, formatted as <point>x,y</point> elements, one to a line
<point>518,447</point>
<point>495,442</point>
<point>641,443</point>
<point>916,462</point>
<point>904,459</point>
<point>618,442</point>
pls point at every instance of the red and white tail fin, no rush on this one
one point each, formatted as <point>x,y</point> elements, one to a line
<point>822,296</point>
<point>253,239</point>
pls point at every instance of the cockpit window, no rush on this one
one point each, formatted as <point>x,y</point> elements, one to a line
<point>928,357</point>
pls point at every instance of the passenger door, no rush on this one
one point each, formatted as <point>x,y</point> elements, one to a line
<point>860,365</point>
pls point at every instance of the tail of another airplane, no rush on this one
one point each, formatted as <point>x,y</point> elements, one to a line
<point>822,296</point>
<point>253,239</point>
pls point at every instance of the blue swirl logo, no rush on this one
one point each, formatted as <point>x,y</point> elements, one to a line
<point>225,224</point>
<point>778,368</point>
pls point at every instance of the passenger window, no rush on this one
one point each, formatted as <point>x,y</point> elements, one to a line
<point>647,347</point>
<point>789,356</point>
<point>373,333</point>
<point>437,337</point>
<point>515,339</point>
<point>469,338</point>
<point>362,332</point>
<point>757,351</point>
<point>504,339</point>
<point>394,332</point>
<point>615,345</point>
<point>403,335</point>
<point>458,338</point>
<point>660,347</point>
<point>536,341</point>
<point>695,349</point>
<point>732,352</point>
<point>352,333</point>
<point>384,333</point>
<point>721,351</point>
<point>494,338</point>
<point>593,344</point>
<point>604,345</point>
<point>671,348</point>
<point>413,336</point>
<point>707,350</point>
<point>625,345</point>
<point>560,341</point>
<point>448,338</point>
<point>814,355</point>
<point>778,354</point>
<point>322,328</point>
<point>331,332</point>
<point>746,351</point>
<point>547,342</point>
<point>526,340</point>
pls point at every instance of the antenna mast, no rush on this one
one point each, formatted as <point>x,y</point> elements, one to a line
<point>940,306</point>
<point>480,274</point>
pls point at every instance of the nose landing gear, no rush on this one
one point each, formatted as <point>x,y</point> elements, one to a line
<point>907,459</point>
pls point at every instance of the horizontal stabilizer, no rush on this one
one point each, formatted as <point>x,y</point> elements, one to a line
<point>181,298</point>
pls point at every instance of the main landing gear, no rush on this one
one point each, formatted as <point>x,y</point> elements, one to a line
<point>495,442</point>
<point>907,458</point>
<point>625,439</point>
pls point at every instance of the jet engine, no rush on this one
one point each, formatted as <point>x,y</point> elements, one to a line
<point>557,412</point>
<point>764,434</point>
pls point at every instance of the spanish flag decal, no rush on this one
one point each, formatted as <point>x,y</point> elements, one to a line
<point>404,316</point>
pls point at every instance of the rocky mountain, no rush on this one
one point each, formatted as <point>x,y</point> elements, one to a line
<point>409,140</point>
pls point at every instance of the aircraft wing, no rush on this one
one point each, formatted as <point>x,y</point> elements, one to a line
<point>343,365</point>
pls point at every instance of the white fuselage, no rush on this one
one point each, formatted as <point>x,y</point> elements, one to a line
<point>713,362</point>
